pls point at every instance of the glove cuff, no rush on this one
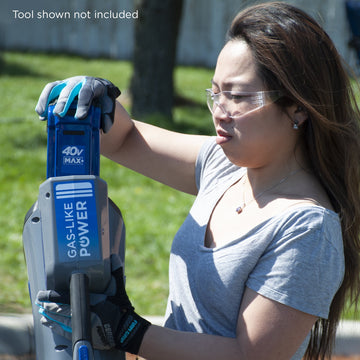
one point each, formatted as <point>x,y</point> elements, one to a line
<point>131,332</point>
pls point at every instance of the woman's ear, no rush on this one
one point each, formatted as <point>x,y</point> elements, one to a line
<point>298,115</point>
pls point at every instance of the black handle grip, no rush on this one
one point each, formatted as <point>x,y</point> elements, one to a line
<point>80,308</point>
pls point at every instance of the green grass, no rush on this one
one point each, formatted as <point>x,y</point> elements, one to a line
<point>152,212</point>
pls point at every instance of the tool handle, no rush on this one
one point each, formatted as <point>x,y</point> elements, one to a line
<point>80,317</point>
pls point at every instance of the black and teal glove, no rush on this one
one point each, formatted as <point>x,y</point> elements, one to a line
<point>88,90</point>
<point>114,323</point>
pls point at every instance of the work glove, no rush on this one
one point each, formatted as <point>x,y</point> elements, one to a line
<point>89,90</point>
<point>114,324</point>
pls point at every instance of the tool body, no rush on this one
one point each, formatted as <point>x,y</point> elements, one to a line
<point>70,233</point>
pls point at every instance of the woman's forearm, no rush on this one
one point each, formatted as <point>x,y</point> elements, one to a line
<point>111,142</point>
<point>163,344</point>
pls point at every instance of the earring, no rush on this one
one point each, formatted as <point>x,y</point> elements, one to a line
<point>296,125</point>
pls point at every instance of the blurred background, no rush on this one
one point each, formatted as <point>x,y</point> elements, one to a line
<point>162,58</point>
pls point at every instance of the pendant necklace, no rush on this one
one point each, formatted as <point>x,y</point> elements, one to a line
<point>241,207</point>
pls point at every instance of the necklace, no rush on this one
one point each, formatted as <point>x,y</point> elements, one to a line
<point>241,207</point>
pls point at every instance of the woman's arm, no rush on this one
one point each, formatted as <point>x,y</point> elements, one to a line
<point>162,155</point>
<point>266,330</point>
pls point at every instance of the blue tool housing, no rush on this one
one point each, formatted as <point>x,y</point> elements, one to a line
<point>71,232</point>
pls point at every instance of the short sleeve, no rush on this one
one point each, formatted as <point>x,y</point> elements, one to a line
<point>202,158</point>
<point>303,267</point>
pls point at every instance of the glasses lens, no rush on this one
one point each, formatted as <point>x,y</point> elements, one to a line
<point>235,104</point>
<point>210,96</point>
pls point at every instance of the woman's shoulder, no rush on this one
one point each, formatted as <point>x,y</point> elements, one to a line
<point>303,203</point>
<point>309,220</point>
<point>310,214</point>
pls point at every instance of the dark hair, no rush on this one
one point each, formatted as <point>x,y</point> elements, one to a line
<point>295,55</point>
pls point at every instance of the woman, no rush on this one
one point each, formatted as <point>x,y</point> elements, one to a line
<point>269,252</point>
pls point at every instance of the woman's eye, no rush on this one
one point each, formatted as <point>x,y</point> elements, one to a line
<point>215,95</point>
<point>237,97</point>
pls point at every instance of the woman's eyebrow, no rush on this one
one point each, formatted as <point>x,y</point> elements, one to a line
<point>233,85</point>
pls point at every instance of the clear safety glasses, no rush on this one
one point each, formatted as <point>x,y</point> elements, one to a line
<point>236,103</point>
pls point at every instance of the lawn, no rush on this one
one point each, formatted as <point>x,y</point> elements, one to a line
<point>152,212</point>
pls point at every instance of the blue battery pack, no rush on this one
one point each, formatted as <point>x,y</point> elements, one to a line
<point>73,146</point>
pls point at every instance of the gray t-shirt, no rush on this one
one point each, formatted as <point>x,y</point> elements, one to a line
<point>295,258</point>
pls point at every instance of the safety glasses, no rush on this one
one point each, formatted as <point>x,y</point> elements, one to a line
<point>237,103</point>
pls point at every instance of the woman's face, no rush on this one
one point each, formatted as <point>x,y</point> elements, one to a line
<point>259,136</point>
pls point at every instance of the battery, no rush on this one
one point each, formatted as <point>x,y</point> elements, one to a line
<point>73,146</point>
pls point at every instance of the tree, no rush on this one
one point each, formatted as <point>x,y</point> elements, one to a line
<point>156,33</point>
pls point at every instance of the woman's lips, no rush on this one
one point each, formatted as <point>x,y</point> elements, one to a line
<point>222,136</point>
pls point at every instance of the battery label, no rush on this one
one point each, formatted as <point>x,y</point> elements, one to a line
<point>76,221</point>
<point>73,155</point>
<point>73,159</point>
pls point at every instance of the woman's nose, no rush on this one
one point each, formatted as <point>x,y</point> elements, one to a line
<point>221,113</point>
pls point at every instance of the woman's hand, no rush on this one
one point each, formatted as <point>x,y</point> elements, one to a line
<point>114,323</point>
<point>88,90</point>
